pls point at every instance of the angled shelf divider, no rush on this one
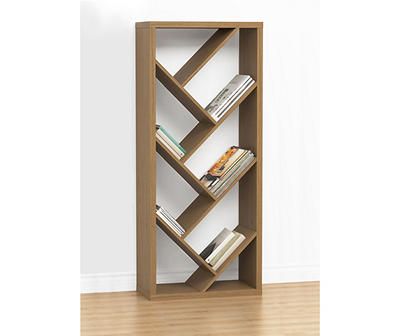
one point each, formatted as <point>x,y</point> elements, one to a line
<point>204,54</point>
<point>182,170</point>
<point>182,95</point>
<point>201,132</point>
<point>184,246</point>
<point>204,281</point>
<point>200,207</point>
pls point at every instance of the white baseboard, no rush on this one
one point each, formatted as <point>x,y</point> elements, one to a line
<point>121,282</point>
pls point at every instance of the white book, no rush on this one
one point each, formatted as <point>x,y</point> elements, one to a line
<point>226,92</point>
<point>214,260</point>
<point>234,246</point>
<point>218,115</point>
<point>167,145</point>
<point>216,244</point>
<point>237,93</point>
<point>165,219</point>
<point>172,219</point>
<point>170,142</point>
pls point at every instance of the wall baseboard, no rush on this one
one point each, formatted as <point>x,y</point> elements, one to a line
<point>121,282</point>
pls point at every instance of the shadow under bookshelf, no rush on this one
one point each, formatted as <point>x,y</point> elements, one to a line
<point>204,281</point>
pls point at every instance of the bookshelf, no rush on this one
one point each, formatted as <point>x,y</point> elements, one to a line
<point>204,281</point>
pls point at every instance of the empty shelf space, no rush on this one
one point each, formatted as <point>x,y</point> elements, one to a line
<point>219,288</point>
<point>182,170</point>
<point>204,54</point>
<point>184,246</point>
<point>202,280</point>
<point>201,206</point>
<point>202,131</point>
<point>182,95</point>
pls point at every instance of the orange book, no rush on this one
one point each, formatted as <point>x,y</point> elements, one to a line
<point>221,166</point>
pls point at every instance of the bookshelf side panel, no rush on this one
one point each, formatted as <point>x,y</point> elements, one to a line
<point>145,162</point>
<point>250,136</point>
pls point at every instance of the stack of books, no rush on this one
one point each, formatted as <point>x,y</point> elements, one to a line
<point>229,166</point>
<point>169,220</point>
<point>222,247</point>
<point>229,95</point>
<point>168,141</point>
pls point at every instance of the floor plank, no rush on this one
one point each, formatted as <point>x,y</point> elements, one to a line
<point>283,310</point>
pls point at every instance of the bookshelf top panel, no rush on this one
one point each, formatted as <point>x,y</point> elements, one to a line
<point>196,24</point>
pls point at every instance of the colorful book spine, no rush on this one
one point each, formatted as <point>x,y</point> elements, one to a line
<point>225,184</point>
<point>168,136</point>
<point>167,145</point>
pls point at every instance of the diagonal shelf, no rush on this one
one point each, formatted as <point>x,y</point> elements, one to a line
<point>204,54</point>
<point>183,171</point>
<point>199,134</point>
<point>202,280</point>
<point>185,247</point>
<point>182,95</point>
<point>201,206</point>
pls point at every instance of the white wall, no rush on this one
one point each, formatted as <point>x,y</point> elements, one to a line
<point>291,152</point>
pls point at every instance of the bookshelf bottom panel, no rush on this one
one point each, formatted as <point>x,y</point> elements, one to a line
<point>219,288</point>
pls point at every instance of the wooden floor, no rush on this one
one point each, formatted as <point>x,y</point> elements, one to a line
<point>283,309</point>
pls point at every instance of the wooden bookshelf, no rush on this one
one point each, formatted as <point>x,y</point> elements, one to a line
<point>204,281</point>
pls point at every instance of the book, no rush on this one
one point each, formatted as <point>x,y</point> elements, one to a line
<point>237,92</point>
<point>229,167</point>
<point>225,248</point>
<point>219,189</point>
<point>173,152</point>
<point>169,220</point>
<point>224,162</point>
<point>166,139</point>
<point>229,251</point>
<point>163,132</point>
<point>226,92</point>
<point>231,101</point>
<point>216,244</point>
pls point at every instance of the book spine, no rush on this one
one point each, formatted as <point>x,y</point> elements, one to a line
<point>231,170</point>
<point>165,219</point>
<point>218,115</point>
<point>168,146</point>
<point>223,186</point>
<point>220,247</point>
<point>172,219</point>
<point>171,143</point>
<point>224,104</point>
<point>214,260</point>
<point>177,144</point>
<point>229,252</point>
<point>228,90</point>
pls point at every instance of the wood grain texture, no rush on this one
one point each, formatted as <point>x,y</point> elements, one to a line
<point>203,282</point>
<point>197,24</point>
<point>145,162</point>
<point>282,310</point>
<point>250,136</point>
<point>199,208</point>
<point>204,54</point>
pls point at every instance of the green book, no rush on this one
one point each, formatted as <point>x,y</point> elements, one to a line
<point>171,138</point>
